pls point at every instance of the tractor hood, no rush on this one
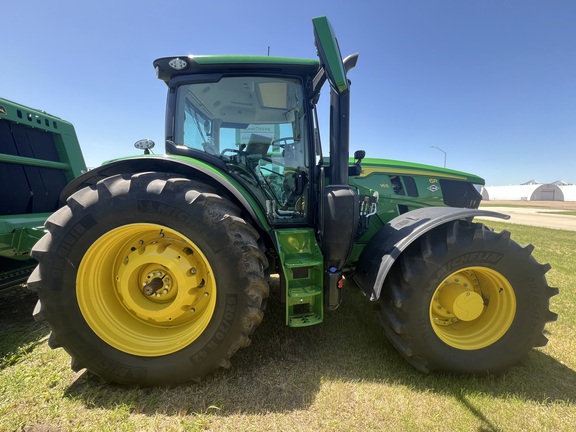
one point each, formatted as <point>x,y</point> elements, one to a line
<point>374,165</point>
<point>407,186</point>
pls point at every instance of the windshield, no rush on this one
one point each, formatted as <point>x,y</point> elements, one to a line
<point>258,127</point>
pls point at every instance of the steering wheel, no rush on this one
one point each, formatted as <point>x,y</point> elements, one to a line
<point>284,140</point>
<point>231,150</point>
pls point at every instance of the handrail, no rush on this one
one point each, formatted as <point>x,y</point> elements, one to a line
<point>33,162</point>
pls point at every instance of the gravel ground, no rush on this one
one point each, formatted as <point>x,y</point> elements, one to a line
<point>550,205</point>
<point>536,213</point>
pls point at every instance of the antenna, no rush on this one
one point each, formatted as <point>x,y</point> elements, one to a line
<point>268,50</point>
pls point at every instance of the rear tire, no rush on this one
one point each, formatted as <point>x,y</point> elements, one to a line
<point>464,299</point>
<point>149,279</point>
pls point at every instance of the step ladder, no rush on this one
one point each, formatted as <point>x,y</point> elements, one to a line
<point>303,265</point>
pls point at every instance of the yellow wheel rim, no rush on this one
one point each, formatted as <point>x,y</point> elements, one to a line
<point>146,290</point>
<point>472,308</point>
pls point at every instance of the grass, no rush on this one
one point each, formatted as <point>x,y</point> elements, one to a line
<point>340,376</point>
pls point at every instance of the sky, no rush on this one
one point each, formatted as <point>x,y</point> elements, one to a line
<point>488,84</point>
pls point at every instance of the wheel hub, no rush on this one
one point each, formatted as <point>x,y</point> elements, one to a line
<point>156,285</point>
<point>472,308</point>
<point>458,298</point>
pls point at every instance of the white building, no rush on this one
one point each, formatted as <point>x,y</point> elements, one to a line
<point>569,192</point>
<point>531,191</point>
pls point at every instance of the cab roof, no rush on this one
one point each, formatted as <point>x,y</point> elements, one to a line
<point>170,67</point>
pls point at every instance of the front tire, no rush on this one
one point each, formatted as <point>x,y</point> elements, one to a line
<point>464,299</point>
<point>149,279</point>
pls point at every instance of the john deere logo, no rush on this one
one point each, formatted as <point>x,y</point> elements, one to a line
<point>2,110</point>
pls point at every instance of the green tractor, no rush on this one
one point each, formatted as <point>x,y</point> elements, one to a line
<point>39,155</point>
<point>156,269</point>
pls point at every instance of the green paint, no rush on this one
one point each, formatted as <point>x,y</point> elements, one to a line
<point>303,267</point>
<point>330,55</point>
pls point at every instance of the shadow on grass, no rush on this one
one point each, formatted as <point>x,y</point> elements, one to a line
<point>285,368</point>
<point>19,333</point>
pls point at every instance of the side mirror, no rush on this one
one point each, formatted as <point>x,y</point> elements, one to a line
<point>356,169</point>
<point>144,144</point>
<point>359,155</point>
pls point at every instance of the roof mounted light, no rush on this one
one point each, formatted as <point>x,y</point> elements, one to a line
<point>144,144</point>
<point>177,64</point>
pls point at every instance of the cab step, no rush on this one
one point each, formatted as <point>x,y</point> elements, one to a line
<point>303,266</point>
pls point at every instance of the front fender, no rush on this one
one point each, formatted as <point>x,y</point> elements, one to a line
<point>186,167</point>
<point>386,246</point>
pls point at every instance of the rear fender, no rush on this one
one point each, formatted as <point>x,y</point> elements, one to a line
<point>187,168</point>
<point>386,246</point>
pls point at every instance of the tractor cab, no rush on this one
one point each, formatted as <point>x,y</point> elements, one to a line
<point>256,126</point>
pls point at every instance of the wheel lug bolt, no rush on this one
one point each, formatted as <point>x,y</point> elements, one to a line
<point>193,270</point>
